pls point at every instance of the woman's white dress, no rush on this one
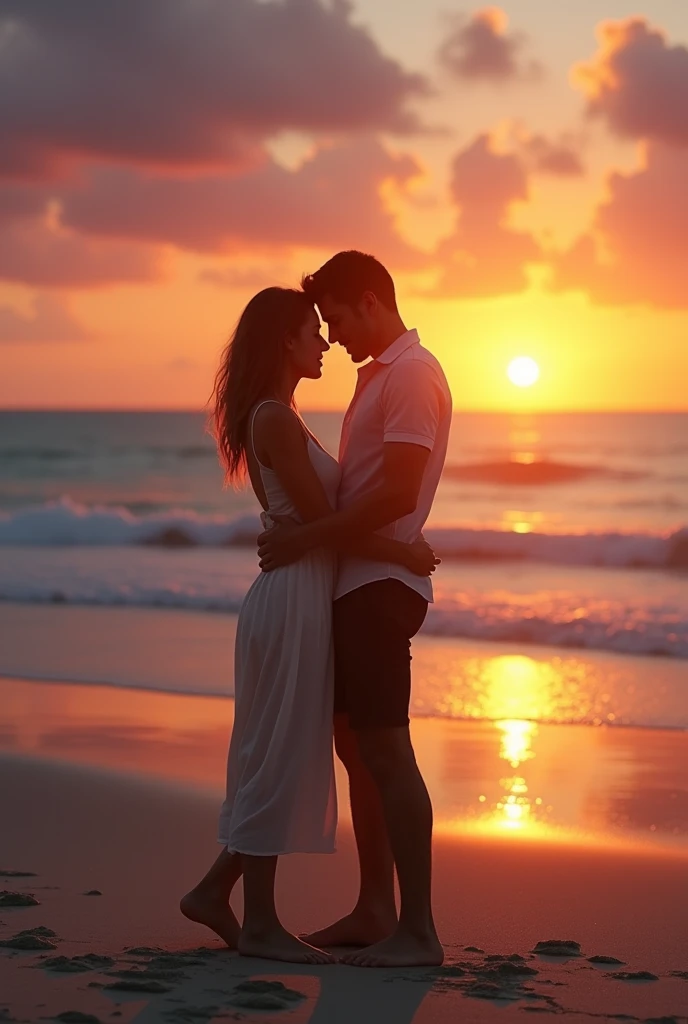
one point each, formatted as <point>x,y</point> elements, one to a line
<point>281,795</point>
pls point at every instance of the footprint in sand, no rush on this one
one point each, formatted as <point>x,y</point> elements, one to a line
<point>76,964</point>
<point>557,947</point>
<point>77,1017</point>
<point>33,938</point>
<point>633,976</point>
<point>17,899</point>
<point>264,995</point>
<point>134,985</point>
<point>144,950</point>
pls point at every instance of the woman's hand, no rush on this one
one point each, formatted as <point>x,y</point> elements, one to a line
<point>421,560</point>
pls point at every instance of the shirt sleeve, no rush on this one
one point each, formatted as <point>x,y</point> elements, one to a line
<point>412,403</point>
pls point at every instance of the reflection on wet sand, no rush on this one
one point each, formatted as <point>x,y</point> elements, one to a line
<point>511,778</point>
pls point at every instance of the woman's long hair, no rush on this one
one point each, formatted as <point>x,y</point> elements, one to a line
<point>251,368</point>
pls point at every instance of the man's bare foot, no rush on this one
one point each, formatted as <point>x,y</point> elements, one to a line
<point>213,913</point>
<point>399,950</point>
<point>359,928</point>
<point>279,944</point>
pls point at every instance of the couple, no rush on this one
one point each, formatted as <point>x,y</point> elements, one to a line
<point>324,632</point>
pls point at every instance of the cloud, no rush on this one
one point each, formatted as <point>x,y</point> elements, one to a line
<point>484,256</point>
<point>637,248</point>
<point>186,84</point>
<point>331,201</point>
<point>637,82</point>
<point>252,278</point>
<point>480,47</point>
<point>547,156</point>
<point>50,322</point>
<point>36,252</point>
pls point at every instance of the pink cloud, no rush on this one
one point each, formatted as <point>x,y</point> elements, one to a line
<point>484,256</point>
<point>637,248</point>
<point>34,253</point>
<point>480,47</point>
<point>637,82</point>
<point>331,201</point>
<point>251,278</point>
<point>186,84</point>
<point>556,157</point>
<point>50,322</point>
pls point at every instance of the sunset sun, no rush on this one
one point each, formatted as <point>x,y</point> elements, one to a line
<point>523,371</point>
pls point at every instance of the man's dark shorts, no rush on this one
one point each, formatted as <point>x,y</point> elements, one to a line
<point>373,627</point>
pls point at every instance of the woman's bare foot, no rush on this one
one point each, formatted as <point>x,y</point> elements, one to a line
<point>359,928</point>
<point>214,913</point>
<point>277,943</point>
<point>402,949</point>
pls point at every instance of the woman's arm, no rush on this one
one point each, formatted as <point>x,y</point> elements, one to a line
<point>282,446</point>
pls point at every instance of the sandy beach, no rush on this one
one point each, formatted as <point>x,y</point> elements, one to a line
<point>117,791</point>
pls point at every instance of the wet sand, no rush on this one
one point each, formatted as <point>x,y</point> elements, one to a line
<point>117,791</point>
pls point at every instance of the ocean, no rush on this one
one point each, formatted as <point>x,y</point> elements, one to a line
<point>562,530</point>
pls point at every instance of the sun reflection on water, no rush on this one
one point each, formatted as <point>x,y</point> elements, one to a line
<point>517,688</point>
<point>514,809</point>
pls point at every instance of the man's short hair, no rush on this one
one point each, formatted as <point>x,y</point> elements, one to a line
<point>347,276</point>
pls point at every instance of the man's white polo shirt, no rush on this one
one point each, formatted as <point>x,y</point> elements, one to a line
<point>401,396</point>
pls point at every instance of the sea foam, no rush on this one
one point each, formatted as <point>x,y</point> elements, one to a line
<point>66,523</point>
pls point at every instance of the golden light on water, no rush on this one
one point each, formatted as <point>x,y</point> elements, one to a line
<point>523,371</point>
<point>515,807</point>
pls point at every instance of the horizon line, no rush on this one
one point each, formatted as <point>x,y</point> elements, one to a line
<point>196,410</point>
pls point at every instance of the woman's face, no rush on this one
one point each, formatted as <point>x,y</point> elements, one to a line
<point>306,349</point>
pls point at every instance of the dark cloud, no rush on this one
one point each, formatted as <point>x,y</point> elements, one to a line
<point>638,82</point>
<point>637,248</point>
<point>331,201</point>
<point>483,256</point>
<point>480,47</point>
<point>50,322</point>
<point>186,83</point>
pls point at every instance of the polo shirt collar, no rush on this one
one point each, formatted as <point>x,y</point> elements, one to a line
<point>398,347</point>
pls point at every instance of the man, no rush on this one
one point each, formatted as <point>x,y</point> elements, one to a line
<point>393,446</point>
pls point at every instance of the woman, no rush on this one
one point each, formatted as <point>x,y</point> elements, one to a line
<point>280,776</point>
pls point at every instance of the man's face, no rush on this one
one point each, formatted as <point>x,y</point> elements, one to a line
<point>350,327</point>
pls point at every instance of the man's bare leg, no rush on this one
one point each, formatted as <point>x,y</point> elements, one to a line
<point>208,902</point>
<point>262,934</point>
<point>374,915</point>
<point>389,756</point>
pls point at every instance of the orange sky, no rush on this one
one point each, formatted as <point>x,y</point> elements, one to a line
<point>500,162</point>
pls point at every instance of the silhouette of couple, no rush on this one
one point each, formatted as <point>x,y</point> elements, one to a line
<point>324,633</point>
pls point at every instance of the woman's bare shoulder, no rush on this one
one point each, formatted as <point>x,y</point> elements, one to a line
<point>276,420</point>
